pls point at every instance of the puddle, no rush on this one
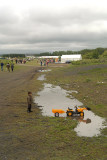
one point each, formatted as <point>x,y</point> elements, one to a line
<point>54,97</point>
<point>41,77</point>
<point>44,70</point>
<point>90,125</point>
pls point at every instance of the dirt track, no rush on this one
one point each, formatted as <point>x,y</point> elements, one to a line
<point>13,114</point>
<point>12,81</point>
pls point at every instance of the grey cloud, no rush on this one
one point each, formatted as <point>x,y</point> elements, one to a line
<point>47,28</point>
<point>74,15</point>
<point>55,37</point>
<point>7,16</point>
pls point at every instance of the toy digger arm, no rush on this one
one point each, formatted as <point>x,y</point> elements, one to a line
<point>88,108</point>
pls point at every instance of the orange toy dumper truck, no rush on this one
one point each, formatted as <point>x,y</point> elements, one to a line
<point>57,112</point>
<point>70,112</point>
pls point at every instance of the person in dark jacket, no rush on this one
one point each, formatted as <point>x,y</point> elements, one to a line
<point>12,67</point>
<point>2,64</point>
<point>29,101</point>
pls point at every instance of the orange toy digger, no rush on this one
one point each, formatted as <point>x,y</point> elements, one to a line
<point>70,112</point>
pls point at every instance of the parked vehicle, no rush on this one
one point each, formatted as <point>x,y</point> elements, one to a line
<point>68,61</point>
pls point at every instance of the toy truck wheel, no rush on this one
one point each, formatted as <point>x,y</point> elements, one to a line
<point>82,114</point>
<point>69,113</point>
<point>56,114</point>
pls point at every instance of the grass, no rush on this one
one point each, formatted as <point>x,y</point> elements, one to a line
<point>34,62</point>
<point>34,137</point>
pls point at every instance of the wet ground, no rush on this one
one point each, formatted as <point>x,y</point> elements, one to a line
<point>44,70</point>
<point>41,78</point>
<point>54,97</point>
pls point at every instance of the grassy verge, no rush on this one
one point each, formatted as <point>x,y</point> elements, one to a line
<point>89,80</point>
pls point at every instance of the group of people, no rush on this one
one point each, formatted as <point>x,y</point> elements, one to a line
<point>45,62</point>
<point>8,66</point>
<point>20,61</point>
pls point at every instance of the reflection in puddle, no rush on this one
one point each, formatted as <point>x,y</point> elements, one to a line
<point>54,97</point>
<point>81,119</point>
<point>92,128</point>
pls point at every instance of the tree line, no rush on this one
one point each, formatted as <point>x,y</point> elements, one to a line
<point>86,53</point>
<point>13,55</point>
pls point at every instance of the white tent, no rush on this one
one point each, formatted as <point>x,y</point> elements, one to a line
<point>50,57</point>
<point>73,57</point>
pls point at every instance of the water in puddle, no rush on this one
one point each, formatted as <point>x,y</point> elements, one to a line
<point>41,78</point>
<point>44,70</point>
<point>90,125</point>
<point>54,97</point>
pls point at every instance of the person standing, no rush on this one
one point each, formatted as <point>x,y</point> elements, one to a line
<point>41,62</point>
<point>8,67</point>
<point>44,62</point>
<point>16,61</point>
<point>29,101</point>
<point>12,67</point>
<point>47,62</point>
<point>2,64</point>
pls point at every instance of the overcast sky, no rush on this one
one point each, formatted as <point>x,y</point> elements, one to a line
<point>50,25</point>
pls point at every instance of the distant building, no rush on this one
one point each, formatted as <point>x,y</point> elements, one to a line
<point>2,58</point>
<point>50,57</point>
<point>30,57</point>
<point>68,58</point>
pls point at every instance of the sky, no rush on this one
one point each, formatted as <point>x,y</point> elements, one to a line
<point>52,25</point>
